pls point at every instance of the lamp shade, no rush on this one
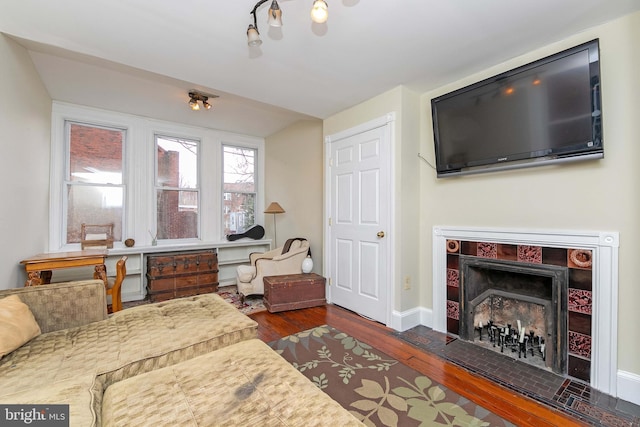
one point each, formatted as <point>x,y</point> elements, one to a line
<point>275,15</point>
<point>253,37</point>
<point>274,208</point>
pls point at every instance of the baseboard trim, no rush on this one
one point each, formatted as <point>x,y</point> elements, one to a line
<point>404,320</point>
<point>629,387</point>
<point>133,296</point>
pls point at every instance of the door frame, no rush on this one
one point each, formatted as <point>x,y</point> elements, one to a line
<point>388,122</point>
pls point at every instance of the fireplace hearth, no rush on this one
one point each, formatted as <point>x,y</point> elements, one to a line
<point>521,308</point>
<point>590,302</point>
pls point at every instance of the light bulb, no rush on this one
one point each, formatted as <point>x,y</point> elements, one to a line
<point>319,12</point>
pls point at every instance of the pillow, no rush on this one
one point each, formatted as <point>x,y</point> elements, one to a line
<point>17,324</point>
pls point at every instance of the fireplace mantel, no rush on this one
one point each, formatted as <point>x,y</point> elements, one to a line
<point>604,247</point>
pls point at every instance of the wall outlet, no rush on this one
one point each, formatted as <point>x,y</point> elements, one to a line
<point>407,282</point>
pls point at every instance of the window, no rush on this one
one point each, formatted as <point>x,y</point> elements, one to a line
<point>93,178</point>
<point>239,188</point>
<point>148,177</point>
<point>177,188</point>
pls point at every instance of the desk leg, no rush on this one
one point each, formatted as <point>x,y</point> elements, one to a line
<point>46,276</point>
<point>101,274</point>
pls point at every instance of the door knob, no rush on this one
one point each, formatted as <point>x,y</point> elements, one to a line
<point>380,234</point>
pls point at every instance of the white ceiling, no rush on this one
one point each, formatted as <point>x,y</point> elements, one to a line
<point>142,56</point>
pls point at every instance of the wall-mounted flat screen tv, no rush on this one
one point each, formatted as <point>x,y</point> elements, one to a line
<point>546,111</point>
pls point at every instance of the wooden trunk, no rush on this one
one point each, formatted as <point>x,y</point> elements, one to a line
<point>181,274</point>
<point>293,291</point>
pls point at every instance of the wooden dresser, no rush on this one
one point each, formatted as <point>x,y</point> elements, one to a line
<point>180,274</point>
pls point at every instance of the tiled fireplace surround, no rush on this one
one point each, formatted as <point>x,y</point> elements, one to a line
<point>592,261</point>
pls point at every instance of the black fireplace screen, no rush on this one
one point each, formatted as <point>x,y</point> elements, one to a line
<point>519,305</point>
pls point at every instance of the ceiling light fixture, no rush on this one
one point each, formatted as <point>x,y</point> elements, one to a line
<point>319,14</point>
<point>195,96</point>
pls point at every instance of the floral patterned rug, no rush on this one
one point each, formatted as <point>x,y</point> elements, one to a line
<point>377,389</point>
<point>252,303</point>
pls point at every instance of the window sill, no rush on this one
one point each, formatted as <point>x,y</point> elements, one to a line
<point>123,250</point>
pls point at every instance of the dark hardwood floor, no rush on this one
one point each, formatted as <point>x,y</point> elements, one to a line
<point>513,407</point>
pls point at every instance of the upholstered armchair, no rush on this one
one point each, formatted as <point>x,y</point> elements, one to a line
<point>285,260</point>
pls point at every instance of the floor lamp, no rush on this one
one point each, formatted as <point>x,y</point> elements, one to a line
<point>274,208</point>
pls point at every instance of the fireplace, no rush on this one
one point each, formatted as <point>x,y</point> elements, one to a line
<point>590,259</point>
<point>518,306</point>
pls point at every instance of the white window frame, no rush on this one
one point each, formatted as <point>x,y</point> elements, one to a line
<point>61,114</point>
<point>197,189</point>
<point>139,174</point>
<point>255,178</point>
<point>69,183</point>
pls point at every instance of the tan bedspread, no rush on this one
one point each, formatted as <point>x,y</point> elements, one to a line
<point>246,384</point>
<point>74,365</point>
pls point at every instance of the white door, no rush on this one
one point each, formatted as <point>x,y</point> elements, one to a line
<point>359,222</point>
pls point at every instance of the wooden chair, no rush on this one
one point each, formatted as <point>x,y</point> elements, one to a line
<point>96,236</point>
<point>114,286</point>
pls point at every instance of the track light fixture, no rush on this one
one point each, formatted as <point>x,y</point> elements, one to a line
<point>195,96</point>
<point>319,14</point>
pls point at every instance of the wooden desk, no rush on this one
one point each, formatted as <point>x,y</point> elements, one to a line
<point>40,266</point>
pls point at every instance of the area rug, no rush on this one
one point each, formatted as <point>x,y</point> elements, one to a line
<point>252,303</point>
<point>375,388</point>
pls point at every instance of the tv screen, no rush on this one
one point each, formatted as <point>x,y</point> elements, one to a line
<point>542,112</point>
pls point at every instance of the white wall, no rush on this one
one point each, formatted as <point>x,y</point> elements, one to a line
<point>25,122</point>
<point>596,195</point>
<point>293,175</point>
